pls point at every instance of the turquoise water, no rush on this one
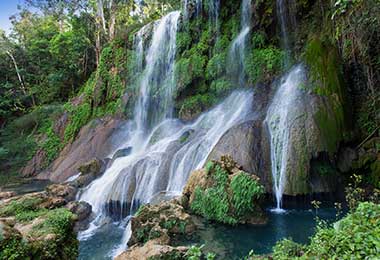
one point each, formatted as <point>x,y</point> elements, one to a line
<point>228,242</point>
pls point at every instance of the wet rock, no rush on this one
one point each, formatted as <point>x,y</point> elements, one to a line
<point>89,172</point>
<point>122,153</point>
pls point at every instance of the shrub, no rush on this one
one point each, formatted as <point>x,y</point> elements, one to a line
<point>226,200</point>
<point>263,64</point>
<point>354,237</point>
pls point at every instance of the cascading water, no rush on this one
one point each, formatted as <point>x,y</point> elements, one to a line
<point>279,120</point>
<point>238,48</point>
<point>164,150</point>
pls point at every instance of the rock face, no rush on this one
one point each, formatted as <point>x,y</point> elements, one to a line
<point>95,140</point>
<point>41,225</point>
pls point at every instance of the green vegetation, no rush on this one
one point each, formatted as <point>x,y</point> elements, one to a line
<point>24,210</point>
<point>226,200</point>
<point>356,236</point>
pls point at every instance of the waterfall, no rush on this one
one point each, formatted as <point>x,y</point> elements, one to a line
<point>279,121</point>
<point>198,8</point>
<point>237,52</point>
<point>164,150</point>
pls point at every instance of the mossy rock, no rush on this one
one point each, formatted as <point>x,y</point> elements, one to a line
<point>224,193</point>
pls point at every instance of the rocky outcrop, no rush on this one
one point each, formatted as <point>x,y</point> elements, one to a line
<point>160,222</point>
<point>95,140</point>
<point>154,229</point>
<point>35,165</point>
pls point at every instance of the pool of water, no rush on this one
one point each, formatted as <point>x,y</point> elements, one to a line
<point>237,242</point>
<point>228,242</point>
<point>25,186</point>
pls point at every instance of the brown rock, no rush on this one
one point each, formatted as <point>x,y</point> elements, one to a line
<point>35,165</point>
<point>151,250</point>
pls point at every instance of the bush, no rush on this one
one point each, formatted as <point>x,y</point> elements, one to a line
<point>263,64</point>
<point>226,200</point>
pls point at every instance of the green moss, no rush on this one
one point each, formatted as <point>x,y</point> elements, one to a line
<point>287,249</point>
<point>63,244</point>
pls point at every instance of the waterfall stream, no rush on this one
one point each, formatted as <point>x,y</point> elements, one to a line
<point>279,120</point>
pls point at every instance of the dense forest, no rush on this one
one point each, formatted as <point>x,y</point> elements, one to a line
<point>128,128</point>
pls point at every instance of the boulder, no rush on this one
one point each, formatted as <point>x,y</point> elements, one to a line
<point>89,172</point>
<point>64,191</point>
<point>83,212</point>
